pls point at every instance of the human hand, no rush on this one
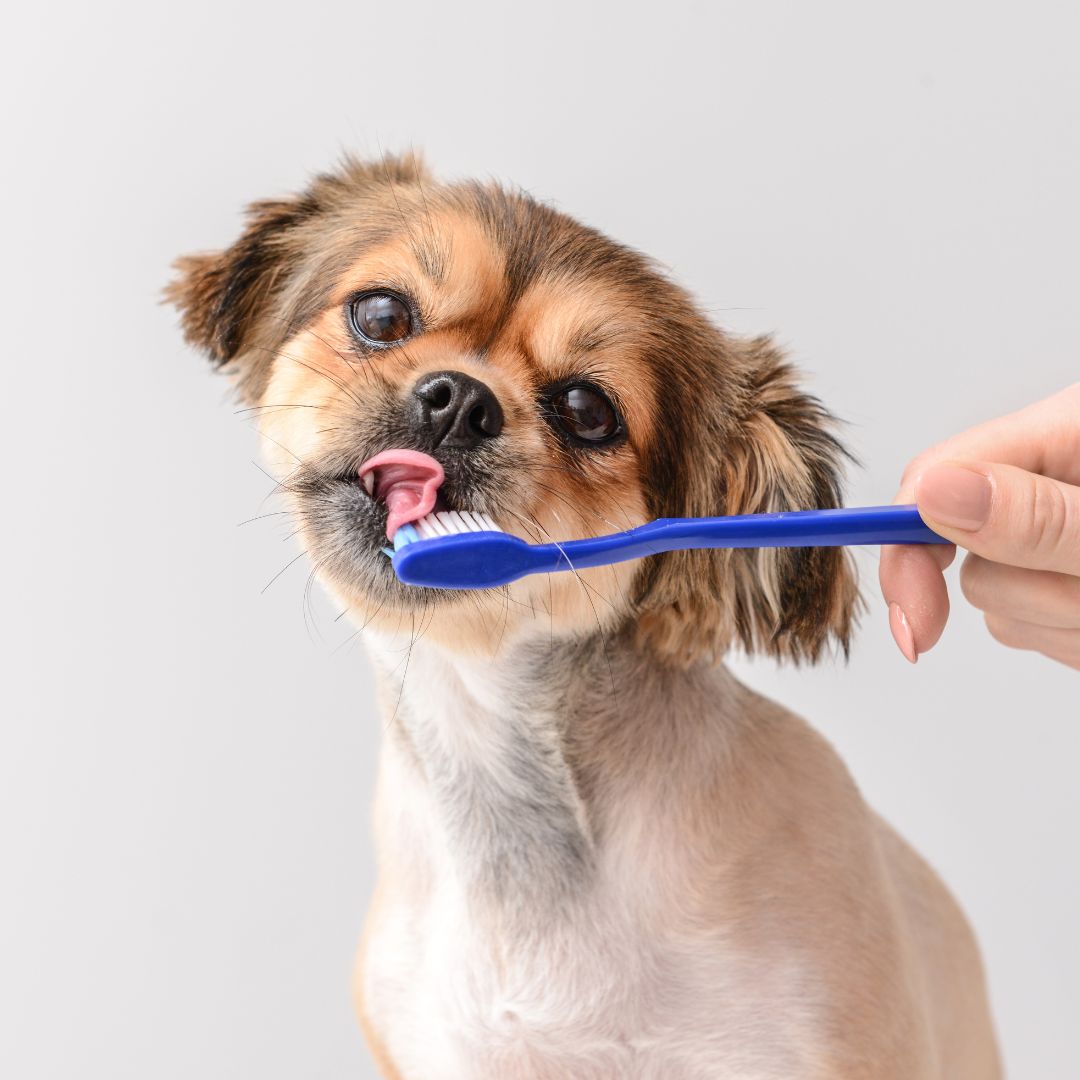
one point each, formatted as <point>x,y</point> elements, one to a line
<point>1007,492</point>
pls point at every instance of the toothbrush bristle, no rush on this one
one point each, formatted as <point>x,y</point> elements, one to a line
<point>451,523</point>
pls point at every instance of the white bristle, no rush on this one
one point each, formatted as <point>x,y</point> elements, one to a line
<point>453,523</point>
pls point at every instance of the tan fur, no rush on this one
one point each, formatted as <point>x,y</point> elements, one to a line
<point>379,1053</point>
<point>599,856</point>
<point>313,369</point>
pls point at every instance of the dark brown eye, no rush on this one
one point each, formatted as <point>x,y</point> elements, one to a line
<point>381,317</point>
<point>586,414</point>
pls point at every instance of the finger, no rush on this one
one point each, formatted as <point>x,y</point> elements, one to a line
<point>914,588</point>
<point>1034,596</point>
<point>1003,513</point>
<point>1052,641</point>
<point>1042,438</point>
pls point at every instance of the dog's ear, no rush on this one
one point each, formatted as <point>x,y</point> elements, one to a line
<point>750,441</point>
<point>226,298</point>
<point>220,294</point>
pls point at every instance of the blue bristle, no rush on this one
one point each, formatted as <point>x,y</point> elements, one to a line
<point>405,535</point>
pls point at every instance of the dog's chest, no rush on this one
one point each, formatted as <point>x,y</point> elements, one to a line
<point>595,1001</point>
<point>508,945</point>
<point>591,992</point>
<point>452,1005</point>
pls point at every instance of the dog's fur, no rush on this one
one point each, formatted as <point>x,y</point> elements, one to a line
<point>599,855</point>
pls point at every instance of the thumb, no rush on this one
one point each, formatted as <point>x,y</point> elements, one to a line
<point>1003,513</point>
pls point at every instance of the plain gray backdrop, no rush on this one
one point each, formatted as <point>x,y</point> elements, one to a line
<point>187,759</point>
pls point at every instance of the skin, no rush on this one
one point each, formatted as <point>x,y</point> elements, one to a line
<point>1008,492</point>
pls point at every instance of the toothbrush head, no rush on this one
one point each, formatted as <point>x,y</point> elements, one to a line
<point>458,550</point>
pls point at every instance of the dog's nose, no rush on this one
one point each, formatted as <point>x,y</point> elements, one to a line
<point>455,409</point>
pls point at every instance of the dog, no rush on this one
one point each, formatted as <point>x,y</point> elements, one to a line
<point>599,855</point>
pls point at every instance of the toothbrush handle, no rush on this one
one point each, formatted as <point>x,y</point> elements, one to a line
<point>795,528</point>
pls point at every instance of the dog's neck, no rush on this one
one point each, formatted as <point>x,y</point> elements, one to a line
<point>533,761</point>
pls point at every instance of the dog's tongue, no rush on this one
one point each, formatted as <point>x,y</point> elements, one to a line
<point>407,481</point>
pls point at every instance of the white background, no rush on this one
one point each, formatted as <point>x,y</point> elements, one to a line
<point>186,762</point>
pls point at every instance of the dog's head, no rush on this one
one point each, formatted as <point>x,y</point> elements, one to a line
<point>388,329</point>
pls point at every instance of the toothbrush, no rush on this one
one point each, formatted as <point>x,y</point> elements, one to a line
<point>463,550</point>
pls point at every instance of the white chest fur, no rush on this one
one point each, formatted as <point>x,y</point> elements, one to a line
<point>592,1000</point>
<point>452,1003</point>
<point>509,941</point>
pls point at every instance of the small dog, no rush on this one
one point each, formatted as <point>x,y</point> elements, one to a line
<point>600,856</point>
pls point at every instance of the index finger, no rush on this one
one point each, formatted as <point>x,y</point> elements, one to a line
<point>1043,438</point>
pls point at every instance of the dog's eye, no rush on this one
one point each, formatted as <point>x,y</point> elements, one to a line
<point>381,318</point>
<point>586,414</point>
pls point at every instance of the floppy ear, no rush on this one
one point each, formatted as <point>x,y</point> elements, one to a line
<point>224,296</point>
<point>221,294</point>
<point>756,443</point>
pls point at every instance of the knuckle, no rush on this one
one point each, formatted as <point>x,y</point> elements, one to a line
<point>1050,518</point>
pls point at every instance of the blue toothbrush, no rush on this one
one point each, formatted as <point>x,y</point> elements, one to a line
<point>463,550</point>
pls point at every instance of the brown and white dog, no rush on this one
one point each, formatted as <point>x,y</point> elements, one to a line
<point>600,856</point>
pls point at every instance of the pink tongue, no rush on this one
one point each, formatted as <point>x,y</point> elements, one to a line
<point>405,503</point>
<point>407,482</point>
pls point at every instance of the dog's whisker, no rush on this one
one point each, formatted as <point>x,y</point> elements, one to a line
<point>282,571</point>
<point>318,337</point>
<point>405,673</point>
<point>261,408</point>
<point>269,438</point>
<point>315,369</point>
<point>543,536</point>
<point>362,627</point>
<point>263,517</point>
<point>596,615</point>
<point>577,510</point>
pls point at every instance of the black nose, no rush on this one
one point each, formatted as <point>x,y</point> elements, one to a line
<point>455,409</point>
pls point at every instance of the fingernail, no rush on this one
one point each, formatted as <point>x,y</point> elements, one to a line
<point>901,632</point>
<point>954,496</point>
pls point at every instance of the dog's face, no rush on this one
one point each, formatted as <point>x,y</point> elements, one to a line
<point>408,344</point>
